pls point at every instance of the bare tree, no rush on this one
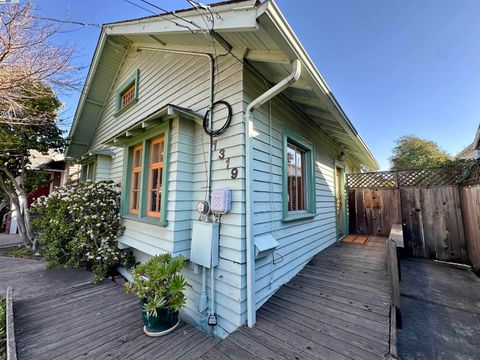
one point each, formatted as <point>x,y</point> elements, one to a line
<point>28,56</point>
<point>32,69</point>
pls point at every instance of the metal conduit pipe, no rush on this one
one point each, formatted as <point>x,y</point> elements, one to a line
<point>259,101</point>
<point>201,299</point>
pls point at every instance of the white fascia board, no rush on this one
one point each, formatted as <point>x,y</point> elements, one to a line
<point>88,81</point>
<point>476,143</point>
<point>243,19</point>
<point>275,15</point>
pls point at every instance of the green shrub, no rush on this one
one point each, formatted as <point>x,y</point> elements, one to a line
<point>159,283</point>
<point>78,226</point>
<point>3,328</point>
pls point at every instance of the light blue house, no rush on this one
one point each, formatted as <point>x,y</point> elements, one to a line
<point>283,154</point>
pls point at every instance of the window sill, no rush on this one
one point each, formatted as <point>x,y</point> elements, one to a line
<point>295,217</point>
<point>121,111</point>
<point>146,220</point>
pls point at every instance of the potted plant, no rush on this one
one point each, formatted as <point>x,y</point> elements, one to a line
<point>160,286</point>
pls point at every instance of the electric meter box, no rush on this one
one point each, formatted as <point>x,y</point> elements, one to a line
<point>204,247</point>
<point>221,201</point>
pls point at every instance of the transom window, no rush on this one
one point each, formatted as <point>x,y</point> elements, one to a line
<point>136,178</point>
<point>155,176</point>
<point>127,96</point>
<point>296,178</point>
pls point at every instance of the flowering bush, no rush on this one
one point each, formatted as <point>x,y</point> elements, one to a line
<point>78,225</point>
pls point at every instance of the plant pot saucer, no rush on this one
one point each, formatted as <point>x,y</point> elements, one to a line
<point>160,333</point>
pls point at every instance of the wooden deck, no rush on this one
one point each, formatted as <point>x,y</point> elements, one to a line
<point>337,307</point>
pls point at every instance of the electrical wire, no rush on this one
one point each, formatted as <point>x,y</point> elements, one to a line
<point>217,132</point>
<point>166,12</point>
<point>65,21</point>
<point>154,13</point>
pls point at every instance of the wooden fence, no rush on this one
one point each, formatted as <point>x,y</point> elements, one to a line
<point>439,210</point>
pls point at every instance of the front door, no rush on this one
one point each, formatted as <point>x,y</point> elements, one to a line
<point>340,201</point>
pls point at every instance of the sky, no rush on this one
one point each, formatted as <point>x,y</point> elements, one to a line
<point>397,67</point>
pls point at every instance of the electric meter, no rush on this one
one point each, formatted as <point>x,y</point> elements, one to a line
<point>203,207</point>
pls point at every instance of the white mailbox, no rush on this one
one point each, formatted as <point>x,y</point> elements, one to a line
<point>204,247</point>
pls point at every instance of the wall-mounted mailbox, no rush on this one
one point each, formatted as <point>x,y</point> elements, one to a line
<point>204,247</point>
<point>265,245</point>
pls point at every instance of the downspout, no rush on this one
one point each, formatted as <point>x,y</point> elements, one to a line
<point>259,101</point>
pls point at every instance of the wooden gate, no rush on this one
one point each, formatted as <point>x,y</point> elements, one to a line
<point>440,216</point>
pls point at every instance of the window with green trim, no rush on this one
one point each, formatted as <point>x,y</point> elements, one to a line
<point>145,177</point>
<point>88,171</point>
<point>127,93</point>
<point>298,177</point>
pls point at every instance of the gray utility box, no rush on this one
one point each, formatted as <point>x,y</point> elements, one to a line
<point>204,248</point>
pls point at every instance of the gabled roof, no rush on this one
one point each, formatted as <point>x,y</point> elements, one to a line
<point>258,29</point>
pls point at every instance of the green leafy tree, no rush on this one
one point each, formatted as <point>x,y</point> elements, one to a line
<point>17,140</point>
<point>412,152</point>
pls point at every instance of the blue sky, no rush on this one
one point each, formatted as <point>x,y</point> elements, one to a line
<point>396,67</point>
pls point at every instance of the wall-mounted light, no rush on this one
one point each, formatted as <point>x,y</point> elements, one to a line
<point>341,156</point>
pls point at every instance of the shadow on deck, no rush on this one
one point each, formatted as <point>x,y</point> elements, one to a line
<point>337,307</point>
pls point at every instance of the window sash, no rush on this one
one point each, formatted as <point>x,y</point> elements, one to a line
<point>88,171</point>
<point>135,182</point>
<point>296,178</point>
<point>154,191</point>
<point>127,96</point>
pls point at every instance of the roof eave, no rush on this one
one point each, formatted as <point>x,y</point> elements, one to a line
<point>271,9</point>
<point>86,87</point>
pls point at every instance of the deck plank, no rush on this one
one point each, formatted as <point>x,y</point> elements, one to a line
<point>336,308</point>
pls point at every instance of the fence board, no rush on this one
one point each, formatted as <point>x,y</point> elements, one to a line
<point>373,211</point>
<point>431,218</point>
<point>471,207</point>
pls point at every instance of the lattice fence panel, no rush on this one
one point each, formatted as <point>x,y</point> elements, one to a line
<point>430,177</point>
<point>415,178</point>
<point>380,179</point>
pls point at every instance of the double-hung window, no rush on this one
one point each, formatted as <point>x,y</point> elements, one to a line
<point>146,167</point>
<point>298,177</point>
<point>88,171</point>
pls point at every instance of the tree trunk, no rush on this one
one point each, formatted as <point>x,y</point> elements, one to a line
<point>11,189</point>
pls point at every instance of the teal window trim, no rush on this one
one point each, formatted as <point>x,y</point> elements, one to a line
<point>289,136</point>
<point>89,168</point>
<point>346,230</point>
<point>133,79</point>
<point>144,139</point>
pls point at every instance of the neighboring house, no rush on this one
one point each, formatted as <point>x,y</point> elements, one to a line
<point>57,170</point>
<point>284,158</point>
<point>472,151</point>
<point>469,152</point>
